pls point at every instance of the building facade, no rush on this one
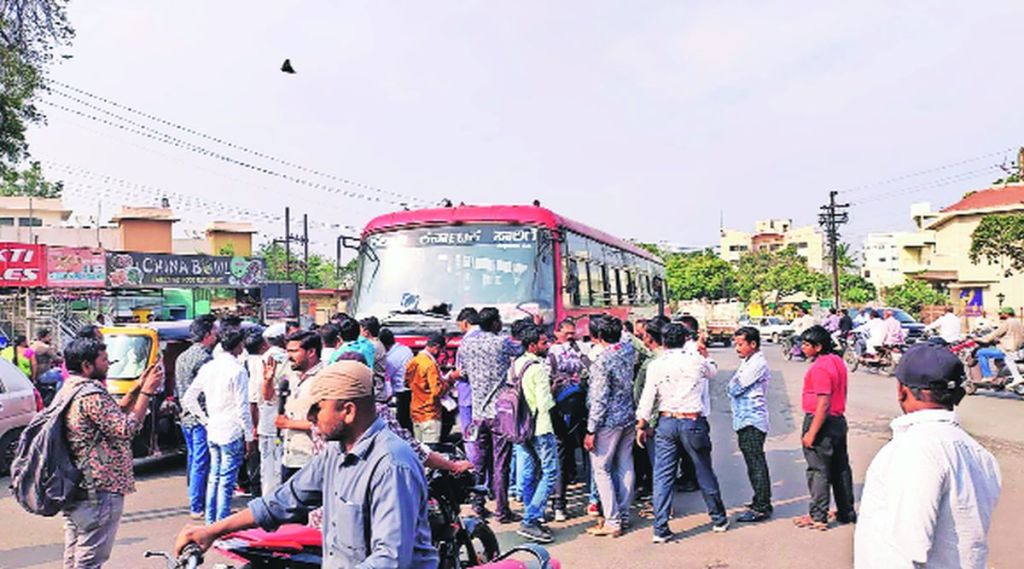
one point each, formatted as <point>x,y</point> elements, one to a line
<point>774,235</point>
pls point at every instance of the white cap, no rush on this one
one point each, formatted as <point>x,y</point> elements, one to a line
<point>274,331</point>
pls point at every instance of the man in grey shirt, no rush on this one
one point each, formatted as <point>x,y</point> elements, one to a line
<point>369,482</point>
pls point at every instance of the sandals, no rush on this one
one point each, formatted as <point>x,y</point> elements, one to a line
<point>807,522</point>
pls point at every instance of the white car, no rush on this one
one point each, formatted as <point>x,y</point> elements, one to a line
<point>19,402</point>
<point>772,328</point>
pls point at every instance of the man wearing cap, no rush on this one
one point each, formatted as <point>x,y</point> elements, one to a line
<point>930,492</point>
<point>1010,337</point>
<point>370,484</point>
<point>265,364</point>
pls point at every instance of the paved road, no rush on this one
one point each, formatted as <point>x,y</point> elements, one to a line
<point>157,510</point>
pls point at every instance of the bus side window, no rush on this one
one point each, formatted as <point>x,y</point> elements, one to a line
<point>631,297</point>
<point>572,282</point>
<point>598,278</point>
<point>618,287</point>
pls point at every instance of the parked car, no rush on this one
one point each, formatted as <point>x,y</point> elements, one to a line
<point>772,328</point>
<point>913,330</point>
<point>19,402</point>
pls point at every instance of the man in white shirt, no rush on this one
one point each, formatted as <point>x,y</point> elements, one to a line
<point>265,365</point>
<point>803,322</point>
<point>948,326</point>
<point>303,349</point>
<point>225,384</point>
<point>875,333</point>
<point>676,389</point>
<point>930,492</point>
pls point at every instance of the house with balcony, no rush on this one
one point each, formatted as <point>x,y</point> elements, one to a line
<point>774,235</point>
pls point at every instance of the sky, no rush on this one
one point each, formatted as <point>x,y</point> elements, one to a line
<point>653,121</point>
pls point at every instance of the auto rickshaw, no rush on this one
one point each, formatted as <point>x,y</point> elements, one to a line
<point>131,350</point>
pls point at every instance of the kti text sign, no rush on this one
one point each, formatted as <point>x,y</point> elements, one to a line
<point>22,264</point>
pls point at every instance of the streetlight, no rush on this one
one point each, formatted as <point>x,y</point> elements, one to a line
<point>1001,297</point>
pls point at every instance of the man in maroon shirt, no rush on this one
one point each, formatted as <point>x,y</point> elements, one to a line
<point>824,432</point>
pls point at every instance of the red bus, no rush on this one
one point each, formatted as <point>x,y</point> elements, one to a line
<point>417,269</point>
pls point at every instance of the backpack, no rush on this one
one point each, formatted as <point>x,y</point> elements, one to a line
<point>44,479</point>
<point>512,416</point>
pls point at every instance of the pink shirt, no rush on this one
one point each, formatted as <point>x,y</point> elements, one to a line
<point>893,332</point>
<point>827,376</point>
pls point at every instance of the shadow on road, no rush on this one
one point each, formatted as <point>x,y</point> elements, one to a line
<point>47,554</point>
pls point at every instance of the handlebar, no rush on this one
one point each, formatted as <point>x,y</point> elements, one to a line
<point>191,557</point>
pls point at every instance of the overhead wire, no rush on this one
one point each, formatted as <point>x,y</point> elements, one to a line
<point>903,177</point>
<point>403,197</point>
<point>149,132</point>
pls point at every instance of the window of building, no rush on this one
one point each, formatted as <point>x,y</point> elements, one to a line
<point>30,222</point>
<point>6,222</point>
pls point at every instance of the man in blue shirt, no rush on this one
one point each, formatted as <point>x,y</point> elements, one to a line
<point>748,390</point>
<point>352,340</point>
<point>368,480</point>
<point>396,357</point>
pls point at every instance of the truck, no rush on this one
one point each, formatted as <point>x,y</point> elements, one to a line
<point>718,320</point>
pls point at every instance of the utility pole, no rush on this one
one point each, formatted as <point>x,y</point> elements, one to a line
<point>305,250</point>
<point>831,217</point>
<point>288,238</point>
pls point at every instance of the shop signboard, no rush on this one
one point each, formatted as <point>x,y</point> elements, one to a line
<point>75,267</point>
<point>157,270</point>
<point>22,265</point>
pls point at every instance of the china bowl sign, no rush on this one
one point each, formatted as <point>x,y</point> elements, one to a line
<point>22,265</point>
<point>145,270</point>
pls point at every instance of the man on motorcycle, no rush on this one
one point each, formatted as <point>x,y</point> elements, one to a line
<point>1009,336</point>
<point>371,484</point>
<point>874,332</point>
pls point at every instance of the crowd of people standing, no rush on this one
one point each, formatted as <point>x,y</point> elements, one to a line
<point>634,397</point>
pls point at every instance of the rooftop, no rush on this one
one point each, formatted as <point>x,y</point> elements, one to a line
<point>151,213</point>
<point>230,227</point>
<point>1012,195</point>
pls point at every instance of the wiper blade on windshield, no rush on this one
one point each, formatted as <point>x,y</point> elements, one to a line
<point>435,312</point>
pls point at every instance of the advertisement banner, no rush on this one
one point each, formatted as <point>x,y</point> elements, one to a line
<point>22,265</point>
<point>75,267</point>
<point>157,270</point>
<point>971,301</point>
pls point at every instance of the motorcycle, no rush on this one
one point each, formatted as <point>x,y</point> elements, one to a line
<point>279,557</point>
<point>791,347</point>
<point>883,361</point>
<point>1009,375</point>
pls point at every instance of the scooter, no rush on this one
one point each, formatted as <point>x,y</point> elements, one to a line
<point>791,347</point>
<point>1009,374</point>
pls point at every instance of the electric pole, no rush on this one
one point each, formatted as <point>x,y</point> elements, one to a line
<point>831,217</point>
<point>288,238</point>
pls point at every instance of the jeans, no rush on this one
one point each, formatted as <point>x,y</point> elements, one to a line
<point>985,357</point>
<point>402,401</point>
<point>515,471</point>
<point>613,472</point>
<point>492,458</point>
<point>540,474</point>
<point>751,443</point>
<point>270,463</point>
<point>90,526</point>
<point>198,466</point>
<point>828,466</point>
<point>693,437</point>
<point>224,463</point>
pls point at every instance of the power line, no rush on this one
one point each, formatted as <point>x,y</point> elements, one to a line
<point>221,141</point>
<point>953,179</point>
<point>900,178</point>
<point>148,132</point>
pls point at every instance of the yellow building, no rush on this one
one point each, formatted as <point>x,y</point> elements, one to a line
<point>774,235</point>
<point>939,251</point>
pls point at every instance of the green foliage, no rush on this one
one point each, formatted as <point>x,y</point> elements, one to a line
<point>321,270</point>
<point>29,182</point>
<point>764,276</point>
<point>30,31</point>
<point>912,295</point>
<point>855,289</point>
<point>999,238</point>
<point>652,249</point>
<point>700,274</point>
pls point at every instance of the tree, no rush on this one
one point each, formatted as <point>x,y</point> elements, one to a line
<point>700,274</point>
<point>30,31</point>
<point>855,289</point>
<point>322,272</point>
<point>29,182</point>
<point>999,239</point>
<point>913,295</point>
<point>770,275</point>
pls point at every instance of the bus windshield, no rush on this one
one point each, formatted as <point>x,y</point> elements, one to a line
<point>428,270</point>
